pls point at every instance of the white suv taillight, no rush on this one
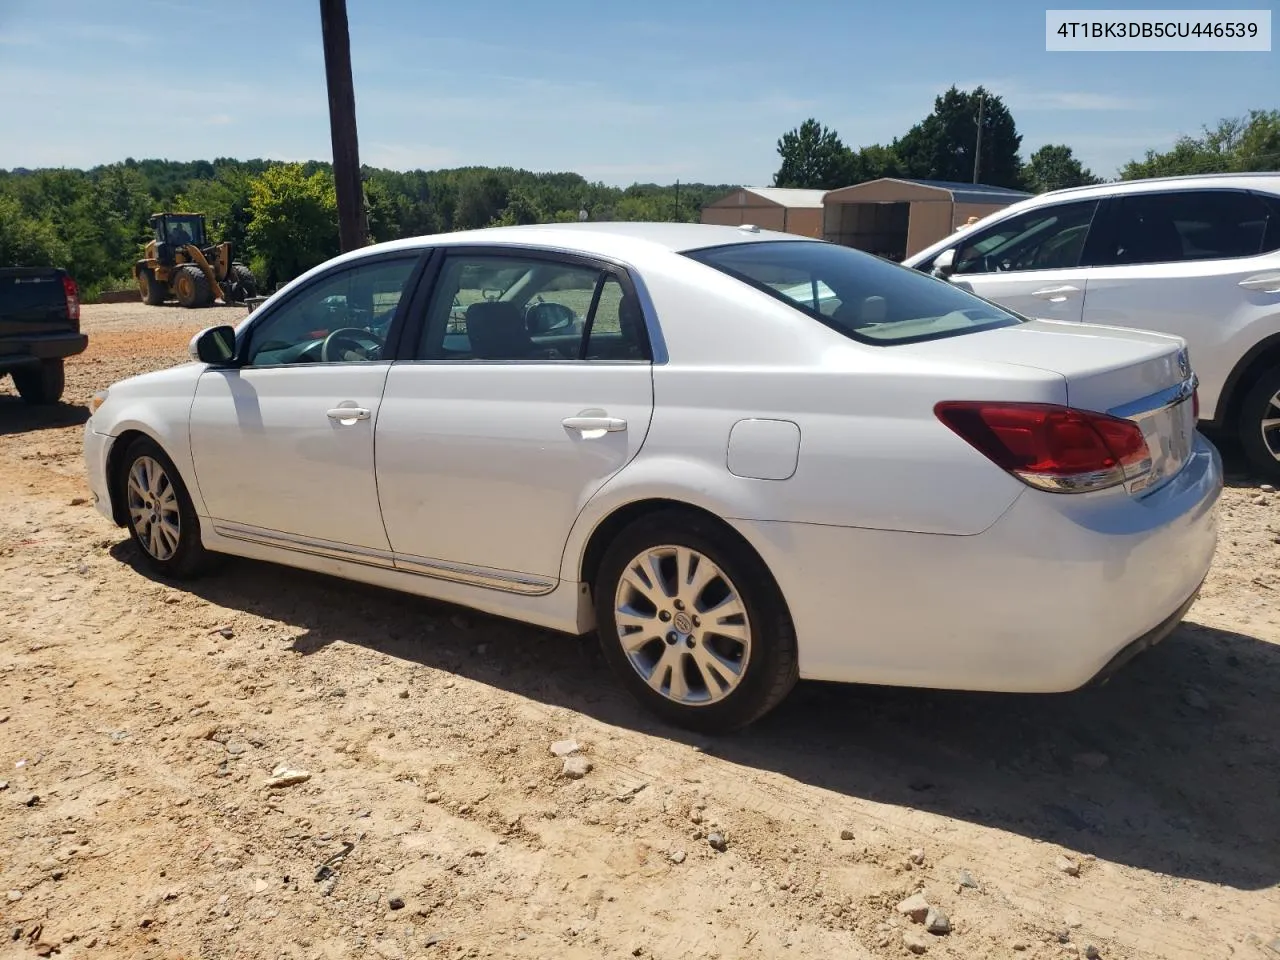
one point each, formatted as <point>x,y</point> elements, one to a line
<point>1052,447</point>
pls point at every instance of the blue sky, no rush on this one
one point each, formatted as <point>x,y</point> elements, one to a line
<point>619,92</point>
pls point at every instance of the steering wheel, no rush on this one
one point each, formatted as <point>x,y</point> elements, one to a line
<point>343,341</point>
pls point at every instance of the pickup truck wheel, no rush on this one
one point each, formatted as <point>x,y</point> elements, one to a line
<point>191,286</point>
<point>1259,425</point>
<point>160,514</point>
<point>152,290</point>
<point>41,385</point>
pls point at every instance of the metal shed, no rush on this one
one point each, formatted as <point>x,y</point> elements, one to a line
<point>895,218</point>
<point>770,208</point>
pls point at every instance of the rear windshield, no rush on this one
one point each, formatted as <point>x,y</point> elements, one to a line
<point>860,295</point>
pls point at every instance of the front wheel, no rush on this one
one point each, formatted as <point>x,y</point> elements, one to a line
<point>161,516</point>
<point>1259,425</point>
<point>693,624</point>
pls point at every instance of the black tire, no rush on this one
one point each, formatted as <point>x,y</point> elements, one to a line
<point>246,285</point>
<point>1262,402</point>
<point>772,667</point>
<point>183,560</point>
<point>152,290</point>
<point>41,385</point>
<point>191,286</point>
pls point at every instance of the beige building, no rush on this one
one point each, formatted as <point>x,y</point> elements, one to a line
<point>896,218</point>
<point>770,208</point>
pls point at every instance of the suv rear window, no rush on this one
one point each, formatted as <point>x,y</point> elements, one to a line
<point>861,296</point>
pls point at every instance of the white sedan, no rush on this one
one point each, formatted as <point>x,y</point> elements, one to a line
<point>741,457</point>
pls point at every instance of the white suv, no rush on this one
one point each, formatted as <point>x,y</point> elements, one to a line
<point>1194,256</point>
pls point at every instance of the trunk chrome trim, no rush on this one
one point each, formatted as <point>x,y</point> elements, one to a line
<point>503,580</point>
<point>1154,402</point>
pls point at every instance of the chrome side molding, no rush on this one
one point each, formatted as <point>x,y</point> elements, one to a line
<point>504,580</point>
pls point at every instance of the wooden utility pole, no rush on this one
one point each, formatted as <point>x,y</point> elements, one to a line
<point>352,226</point>
<point>977,153</point>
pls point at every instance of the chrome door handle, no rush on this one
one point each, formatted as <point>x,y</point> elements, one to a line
<point>1055,294</point>
<point>349,414</point>
<point>595,424</point>
<point>1263,283</point>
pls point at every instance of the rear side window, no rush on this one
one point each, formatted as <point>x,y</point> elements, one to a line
<point>1188,225</point>
<point>863,297</point>
<point>495,307</point>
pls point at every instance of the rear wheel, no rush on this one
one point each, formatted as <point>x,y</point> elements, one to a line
<point>1259,425</point>
<point>41,385</point>
<point>160,514</point>
<point>246,285</point>
<point>693,624</point>
<point>191,286</point>
<point>152,290</point>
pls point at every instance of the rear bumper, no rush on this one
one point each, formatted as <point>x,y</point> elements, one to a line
<point>1144,642</point>
<point>32,349</point>
<point>1058,590</point>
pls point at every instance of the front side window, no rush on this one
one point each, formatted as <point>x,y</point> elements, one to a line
<point>341,318</point>
<point>499,307</point>
<point>1047,238</point>
<point>1188,225</point>
<point>862,296</point>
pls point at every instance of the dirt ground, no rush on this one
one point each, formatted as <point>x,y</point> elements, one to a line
<point>140,721</point>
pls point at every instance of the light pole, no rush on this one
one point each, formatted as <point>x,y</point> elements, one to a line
<point>352,226</point>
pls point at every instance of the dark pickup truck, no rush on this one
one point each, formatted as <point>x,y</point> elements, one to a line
<point>39,327</point>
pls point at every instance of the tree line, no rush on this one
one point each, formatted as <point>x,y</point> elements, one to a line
<point>945,145</point>
<point>282,217</point>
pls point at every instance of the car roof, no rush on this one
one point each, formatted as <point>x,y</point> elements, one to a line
<point>1266,181</point>
<point>610,239</point>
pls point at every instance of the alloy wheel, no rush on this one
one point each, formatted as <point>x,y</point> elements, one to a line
<point>682,625</point>
<point>153,508</point>
<point>1270,426</point>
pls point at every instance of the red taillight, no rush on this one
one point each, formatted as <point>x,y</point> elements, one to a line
<point>73,297</point>
<point>1195,404</point>
<point>1049,446</point>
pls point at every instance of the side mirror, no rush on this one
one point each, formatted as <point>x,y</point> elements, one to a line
<point>214,345</point>
<point>548,317</point>
<point>944,264</point>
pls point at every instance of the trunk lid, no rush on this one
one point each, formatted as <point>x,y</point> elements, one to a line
<point>1134,374</point>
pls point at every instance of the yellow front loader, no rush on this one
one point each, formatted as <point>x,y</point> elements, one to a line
<point>177,265</point>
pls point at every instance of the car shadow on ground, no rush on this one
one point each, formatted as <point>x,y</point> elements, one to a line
<point>17,416</point>
<point>1171,767</point>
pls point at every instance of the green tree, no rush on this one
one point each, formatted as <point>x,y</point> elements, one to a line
<point>877,161</point>
<point>1055,167</point>
<point>27,242</point>
<point>1233,145</point>
<point>521,209</point>
<point>224,200</point>
<point>482,196</point>
<point>942,146</point>
<point>814,158</point>
<point>293,220</point>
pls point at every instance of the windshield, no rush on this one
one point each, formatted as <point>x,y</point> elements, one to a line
<point>183,230</point>
<point>862,296</point>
